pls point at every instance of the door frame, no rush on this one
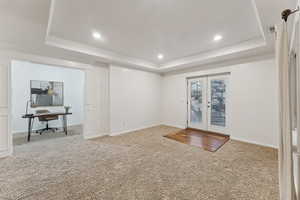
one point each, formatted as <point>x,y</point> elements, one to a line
<point>83,68</point>
<point>6,58</point>
<point>228,105</point>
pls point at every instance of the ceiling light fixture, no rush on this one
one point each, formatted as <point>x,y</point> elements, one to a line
<point>218,38</point>
<point>160,56</point>
<point>97,35</point>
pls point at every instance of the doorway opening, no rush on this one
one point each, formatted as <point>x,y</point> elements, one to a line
<point>208,103</point>
<point>47,102</point>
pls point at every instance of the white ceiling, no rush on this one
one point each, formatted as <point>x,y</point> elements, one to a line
<point>142,28</point>
<point>23,28</point>
<point>135,31</point>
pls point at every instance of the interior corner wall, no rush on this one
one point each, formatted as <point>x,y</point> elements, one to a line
<point>253,107</point>
<point>135,99</point>
<point>21,74</point>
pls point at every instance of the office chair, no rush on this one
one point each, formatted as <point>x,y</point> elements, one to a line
<point>46,119</point>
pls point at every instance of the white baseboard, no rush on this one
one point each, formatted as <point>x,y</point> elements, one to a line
<point>5,152</point>
<point>132,130</point>
<point>88,137</point>
<point>25,131</point>
<point>176,126</point>
<point>253,142</point>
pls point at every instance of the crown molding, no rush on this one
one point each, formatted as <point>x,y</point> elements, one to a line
<point>10,55</point>
<point>104,55</point>
<point>215,55</point>
<point>188,61</point>
<point>224,63</point>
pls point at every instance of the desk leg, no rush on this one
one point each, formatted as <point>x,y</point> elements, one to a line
<point>29,129</point>
<point>65,124</point>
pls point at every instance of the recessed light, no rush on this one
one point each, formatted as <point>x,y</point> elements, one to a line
<point>97,35</point>
<point>160,56</point>
<point>218,37</point>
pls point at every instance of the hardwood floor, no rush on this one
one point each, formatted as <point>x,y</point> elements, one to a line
<point>207,140</point>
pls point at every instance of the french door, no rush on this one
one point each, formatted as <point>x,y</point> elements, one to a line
<point>207,103</point>
<point>197,103</point>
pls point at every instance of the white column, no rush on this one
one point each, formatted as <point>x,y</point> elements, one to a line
<point>5,136</point>
<point>96,102</point>
<point>297,154</point>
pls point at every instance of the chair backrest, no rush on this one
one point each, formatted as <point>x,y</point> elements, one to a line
<point>45,118</point>
<point>41,111</point>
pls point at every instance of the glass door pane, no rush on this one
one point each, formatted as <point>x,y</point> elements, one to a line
<point>197,103</point>
<point>218,106</point>
<point>217,90</point>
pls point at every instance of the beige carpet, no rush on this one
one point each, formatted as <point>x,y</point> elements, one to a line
<point>139,165</point>
<point>21,138</point>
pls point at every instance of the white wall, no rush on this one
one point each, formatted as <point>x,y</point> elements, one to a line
<point>135,99</point>
<point>97,102</point>
<point>253,96</point>
<point>21,74</point>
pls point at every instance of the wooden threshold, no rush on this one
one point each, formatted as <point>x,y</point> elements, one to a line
<point>210,132</point>
<point>206,140</point>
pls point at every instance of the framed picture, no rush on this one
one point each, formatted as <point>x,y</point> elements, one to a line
<point>46,93</point>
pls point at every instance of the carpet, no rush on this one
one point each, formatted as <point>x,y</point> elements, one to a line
<point>21,138</point>
<point>141,165</point>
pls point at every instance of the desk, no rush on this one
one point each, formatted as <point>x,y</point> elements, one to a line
<point>31,117</point>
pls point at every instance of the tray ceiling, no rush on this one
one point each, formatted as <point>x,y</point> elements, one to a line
<point>134,32</point>
<point>142,29</point>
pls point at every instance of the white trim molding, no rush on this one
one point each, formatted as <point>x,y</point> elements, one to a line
<point>5,128</point>
<point>175,126</point>
<point>5,153</point>
<point>215,56</point>
<point>132,130</point>
<point>253,142</point>
<point>89,137</point>
<point>17,55</point>
<point>104,55</point>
